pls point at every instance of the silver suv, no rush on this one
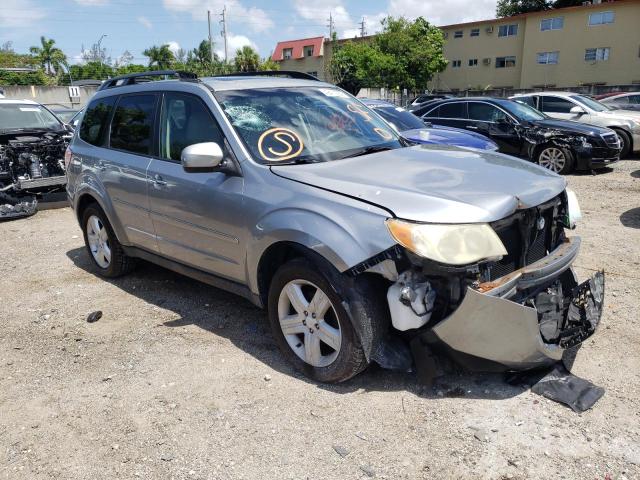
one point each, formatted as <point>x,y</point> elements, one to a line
<point>362,247</point>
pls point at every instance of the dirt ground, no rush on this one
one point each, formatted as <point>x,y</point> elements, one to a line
<point>179,380</point>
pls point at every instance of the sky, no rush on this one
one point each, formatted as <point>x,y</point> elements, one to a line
<point>134,25</point>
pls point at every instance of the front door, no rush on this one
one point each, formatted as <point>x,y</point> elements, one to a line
<point>494,123</point>
<point>558,107</point>
<point>197,217</point>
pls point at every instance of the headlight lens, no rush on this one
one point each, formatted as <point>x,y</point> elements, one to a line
<point>575,214</point>
<point>450,244</point>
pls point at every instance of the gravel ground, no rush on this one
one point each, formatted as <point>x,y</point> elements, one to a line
<point>179,380</point>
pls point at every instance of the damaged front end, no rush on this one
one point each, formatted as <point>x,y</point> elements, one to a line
<point>31,165</point>
<point>515,312</point>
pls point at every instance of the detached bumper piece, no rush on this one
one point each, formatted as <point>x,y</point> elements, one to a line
<point>12,207</point>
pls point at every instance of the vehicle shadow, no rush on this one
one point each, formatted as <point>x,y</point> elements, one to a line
<point>246,326</point>
<point>631,218</point>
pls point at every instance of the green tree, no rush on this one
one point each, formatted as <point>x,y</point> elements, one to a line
<point>268,65</point>
<point>509,8</point>
<point>161,57</point>
<point>51,58</point>
<point>247,59</point>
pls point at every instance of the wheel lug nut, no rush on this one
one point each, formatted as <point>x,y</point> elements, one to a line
<point>311,330</point>
<point>304,322</point>
<point>306,313</point>
<point>313,315</point>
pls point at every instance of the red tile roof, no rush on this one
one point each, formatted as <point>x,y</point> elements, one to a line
<point>297,46</point>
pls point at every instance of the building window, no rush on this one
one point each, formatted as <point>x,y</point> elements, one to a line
<point>601,18</point>
<point>458,34</point>
<point>473,62</point>
<point>456,63</point>
<point>552,24</point>
<point>315,74</point>
<point>508,30</point>
<point>308,51</point>
<point>287,53</point>
<point>548,58</point>
<point>596,54</point>
<point>505,62</point>
<point>475,32</point>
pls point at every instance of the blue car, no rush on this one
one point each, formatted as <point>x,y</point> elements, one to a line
<point>414,129</point>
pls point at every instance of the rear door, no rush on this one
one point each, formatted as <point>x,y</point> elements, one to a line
<point>493,122</point>
<point>451,114</point>
<point>198,216</point>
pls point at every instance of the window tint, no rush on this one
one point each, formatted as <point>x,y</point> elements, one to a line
<point>185,120</point>
<point>94,120</point>
<point>453,110</point>
<point>531,101</point>
<point>635,99</point>
<point>556,105</point>
<point>132,125</point>
<point>484,112</point>
<point>435,113</point>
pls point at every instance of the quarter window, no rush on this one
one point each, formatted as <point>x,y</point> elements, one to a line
<point>185,120</point>
<point>475,32</point>
<point>556,105</point>
<point>505,62</point>
<point>596,54</point>
<point>95,120</point>
<point>132,124</point>
<point>508,30</point>
<point>452,110</point>
<point>601,18</point>
<point>458,34</point>
<point>548,58</point>
<point>556,23</point>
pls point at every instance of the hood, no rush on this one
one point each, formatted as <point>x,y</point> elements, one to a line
<point>450,136</point>
<point>569,126</point>
<point>435,184</point>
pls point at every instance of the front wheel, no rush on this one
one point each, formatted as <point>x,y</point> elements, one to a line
<point>556,159</point>
<point>625,143</point>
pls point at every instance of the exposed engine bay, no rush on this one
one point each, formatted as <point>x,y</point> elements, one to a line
<point>31,165</point>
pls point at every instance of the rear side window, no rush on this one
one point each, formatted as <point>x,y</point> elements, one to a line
<point>132,124</point>
<point>453,110</point>
<point>94,120</point>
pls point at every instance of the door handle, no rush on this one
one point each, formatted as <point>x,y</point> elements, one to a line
<point>471,127</point>
<point>158,181</point>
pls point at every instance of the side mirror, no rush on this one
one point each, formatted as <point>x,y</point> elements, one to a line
<point>201,157</point>
<point>577,110</point>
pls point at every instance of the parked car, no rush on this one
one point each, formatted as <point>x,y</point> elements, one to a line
<point>416,130</point>
<point>520,130</point>
<point>295,195</point>
<point>65,114</point>
<point>583,109</point>
<point>621,100</point>
<point>32,147</point>
<point>425,98</point>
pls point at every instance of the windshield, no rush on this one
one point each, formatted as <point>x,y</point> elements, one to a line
<point>304,124</point>
<point>19,116</point>
<point>522,111</point>
<point>591,103</point>
<point>399,118</point>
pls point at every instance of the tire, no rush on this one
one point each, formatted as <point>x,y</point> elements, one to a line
<point>625,142</point>
<point>116,263</point>
<point>557,159</point>
<point>337,361</point>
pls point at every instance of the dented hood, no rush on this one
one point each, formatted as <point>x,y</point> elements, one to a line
<point>437,184</point>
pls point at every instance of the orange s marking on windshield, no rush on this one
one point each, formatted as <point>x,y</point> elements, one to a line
<point>352,107</point>
<point>383,133</point>
<point>280,143</point>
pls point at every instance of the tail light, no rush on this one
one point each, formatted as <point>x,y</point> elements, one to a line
<point>67,157</point>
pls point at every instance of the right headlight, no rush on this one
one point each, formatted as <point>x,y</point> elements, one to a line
<point>452,244</point>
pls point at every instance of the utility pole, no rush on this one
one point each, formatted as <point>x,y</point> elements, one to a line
<point>210,40</point>
<point>363,30</point>
<point>224,32</point>
<point>330,25</point>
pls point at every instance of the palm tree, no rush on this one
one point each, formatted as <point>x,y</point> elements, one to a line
<point>51,58</point>
<point>247,59</point>
<point>161,56</point>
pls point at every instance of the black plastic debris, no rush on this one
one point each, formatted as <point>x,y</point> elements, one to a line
<point>563,386</point>
<point>94,316</point>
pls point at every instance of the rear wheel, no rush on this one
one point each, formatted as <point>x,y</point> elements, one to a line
<point>625,143</point>
<point>556,159</point>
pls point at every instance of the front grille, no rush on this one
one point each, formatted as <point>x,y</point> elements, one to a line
<point>523,238</point>
<point>611,139</point>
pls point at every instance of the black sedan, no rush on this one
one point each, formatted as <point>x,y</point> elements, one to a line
<point>520,130</point>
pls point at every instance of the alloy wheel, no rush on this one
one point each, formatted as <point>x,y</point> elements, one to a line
<point>309,323</point>
<point>98,239</point>
<point>553,159</point>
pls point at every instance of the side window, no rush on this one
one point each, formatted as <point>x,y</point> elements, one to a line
<point>622,100</point>
<point>435,113</point>
<point>453,110</point>
<point>132,124</point>
<point>94,120</point>
<point>531,101</point>
<point>485,112</point>
<point>185,120</point>
<point>556,105</point>
<point>634,99</point>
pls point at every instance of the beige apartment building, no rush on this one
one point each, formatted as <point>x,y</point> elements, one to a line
<point>592,44</point>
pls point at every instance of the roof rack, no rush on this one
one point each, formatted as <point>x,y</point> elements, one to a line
<point>133,78</point>
<point>272,73</point>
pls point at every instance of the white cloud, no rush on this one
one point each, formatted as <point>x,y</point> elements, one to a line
<point>92,3</point>
<point>253,18</point>
<point>19,13</point>
<point>146,22</point>
<point>235,42</point>
<point>173,46</point>
<point>443,13</point>
<point>341,18</point>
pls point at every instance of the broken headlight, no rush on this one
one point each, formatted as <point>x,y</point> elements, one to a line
<point>573,209</point>
<point>451,244</point>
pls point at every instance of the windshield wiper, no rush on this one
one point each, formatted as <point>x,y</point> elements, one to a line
<point>368,150</point>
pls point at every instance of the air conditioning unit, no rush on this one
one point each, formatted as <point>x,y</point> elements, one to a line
<point>486,61</point>
<point>489,29</point>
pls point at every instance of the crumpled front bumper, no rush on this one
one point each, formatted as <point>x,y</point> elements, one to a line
<point>489,326</point>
